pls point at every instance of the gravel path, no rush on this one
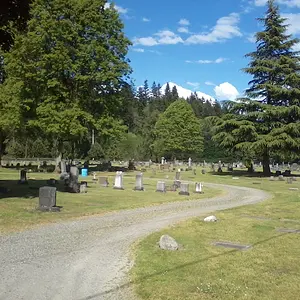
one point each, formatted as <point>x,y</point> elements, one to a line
<point>89,258</point>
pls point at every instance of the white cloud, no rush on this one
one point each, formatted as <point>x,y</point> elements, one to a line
<point>226,91</point>
<point>141,50</point>
<point>226,28</point>
<point>296,47</point>
<point>119,9</point>
<point>251,38</point>
<point>289,3</point>
<point>193,84</point>
<point>184,22</point>
<point>145,20</point>
<point>145,41</point>
<point>167,37</point>
<point>207,61</point>
<point>209,83</point>
<point>293,20</point>
<point>183,30</point>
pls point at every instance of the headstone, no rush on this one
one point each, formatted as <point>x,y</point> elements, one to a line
<point>278,173</point>
<point>177,183</point>
<point>153,172</point>
<point>198,188</point>
<point>73,185</point>
<point>232,245</point>
<point>184,189</point>
<point>103,181</point>
<point>272,178</point>
<point>119,181</point>
<point>94,177</point>
<point>63,167</point>
<point>220,167</point>
<point>162,160</point>
<point>190,162</point>
<point>161,187</point>
<point>280,178</point>
<point>203,171</point>
<point>23,177</point>
<point>47,199</point>
<point>289,180</point>
<point>51,182</point>
<point>166,242</point>
<point>210,219</point>
<point>194,172</point>
<point>83,188</point>
<point>177,176</point>
<point>84,183</point>
<point>139,182</point>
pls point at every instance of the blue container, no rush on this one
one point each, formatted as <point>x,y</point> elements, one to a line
<point>84,172</point>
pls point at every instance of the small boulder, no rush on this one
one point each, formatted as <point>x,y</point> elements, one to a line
<point>210,219</point>
<point>166,242</point>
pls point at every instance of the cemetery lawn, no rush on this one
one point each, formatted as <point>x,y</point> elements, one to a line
<point>200,270</point>
<point>18,206</point>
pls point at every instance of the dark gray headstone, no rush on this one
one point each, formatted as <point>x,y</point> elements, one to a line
<point>73,185</point>
<point>23,177</point>
<point>47,199</point>
<point>184,189</point>
<point>203,171</point>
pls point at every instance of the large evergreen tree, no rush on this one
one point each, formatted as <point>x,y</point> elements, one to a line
<point>271,123</point>
<point>68,66</point>
<point>178,132</point>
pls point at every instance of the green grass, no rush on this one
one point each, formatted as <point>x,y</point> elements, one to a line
<point>270,270</point>
<point>18,208</point>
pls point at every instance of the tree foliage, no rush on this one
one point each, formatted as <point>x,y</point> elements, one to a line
<point>270,125</point>
<point>178,132</point>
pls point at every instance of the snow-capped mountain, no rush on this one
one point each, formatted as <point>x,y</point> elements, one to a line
<point>185,93</point>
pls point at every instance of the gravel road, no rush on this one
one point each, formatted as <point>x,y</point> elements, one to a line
<point>89,258</point>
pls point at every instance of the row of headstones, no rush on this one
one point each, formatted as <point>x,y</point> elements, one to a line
<point>184,187</point>
<point>281,178</point>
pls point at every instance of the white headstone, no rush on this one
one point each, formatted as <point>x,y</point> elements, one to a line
<point>119,181</point>
<point>199,188</point>
<point>162,160</point>
<point>190,162</point>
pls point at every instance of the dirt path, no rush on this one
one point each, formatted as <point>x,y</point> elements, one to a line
<point>89,258</point>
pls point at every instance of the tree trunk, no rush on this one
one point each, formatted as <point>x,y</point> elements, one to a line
<point>266,164</point>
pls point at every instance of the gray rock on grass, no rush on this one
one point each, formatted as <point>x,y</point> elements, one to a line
<point>166,242</point>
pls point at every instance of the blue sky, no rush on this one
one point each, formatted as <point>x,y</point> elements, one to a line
<point>197,44</point>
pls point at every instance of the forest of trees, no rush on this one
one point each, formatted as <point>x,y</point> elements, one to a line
<point>66,90</point>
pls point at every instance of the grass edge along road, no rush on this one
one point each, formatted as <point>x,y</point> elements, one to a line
<point>18,207</point>
<point>200,270</point>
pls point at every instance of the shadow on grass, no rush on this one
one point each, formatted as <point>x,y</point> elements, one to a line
<point>12,188</point>
<point>178,268</point>
<point>244,173</point>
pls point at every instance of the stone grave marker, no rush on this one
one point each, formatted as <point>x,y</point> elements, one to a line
<point>293,189</point>
<point>289,180</point>
<point>95,177</point>
<point>73,185</point>
<point>63,167</point>
<point>51,182</point>
<point>198,188</point>
<point>287,230</point>
<point>161,187</point>
<point>203,171</point>
<point>83,188</point>
<point>166,242</point>
<point>272,178</point>
<point>177,183</point>
<point>232,245</point>
<point>184,189</point>
<point>103,181</point>
<point>194,172</point>
<point>280,178</point>
<point>84,183</point>
<point>23,177</point>
<point>47,199</point>
<point>177,176</point>
<point>119,181</point>
<point>139,186</point>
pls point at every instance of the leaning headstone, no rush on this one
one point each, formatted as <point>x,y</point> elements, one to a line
<point>119,181</point>
<point>198,188</point>
<point>177,176</point>
<point>47,199</point>
<point>103,181</point>
<point>139,182</point>
<point>184,189</point>
<point>161,187</point>
<point>166,242</point>
<point>23,177</point>
<point>210,219</point>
